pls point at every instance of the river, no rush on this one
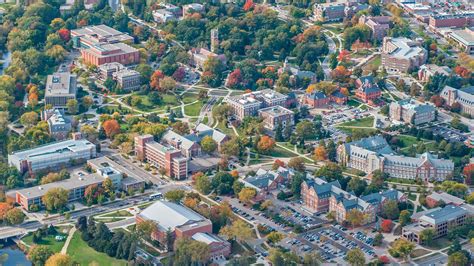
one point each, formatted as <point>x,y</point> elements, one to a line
<point>6,59</point>
<point>11,255</point>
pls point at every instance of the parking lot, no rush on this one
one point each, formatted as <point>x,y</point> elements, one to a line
<point>452,135</point>
<point>331,242</point>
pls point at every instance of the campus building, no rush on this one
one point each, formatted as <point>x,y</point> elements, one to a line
<point>91,35</point>
<point>337,10</point>
<point>127,79</point>
<point>401,55</point>
<point>265,181</point>
<point>458,20</point>
<point>465,98</point>
<point>60,87</point>
<point>368,91</point>
<point>276,116</point>
<point>198,56</point>
<point>428,70</point>
<point>374,153</point>
<point>378,25</point>
<point>193,8</point>
<point>248,104</point>
<point>76,187</point>
<point>409,112</point>
<point>436,198</point>
<point>160,156</point>
<point>163,16</point>
<point>218,247</point>
<point>438,219</point>
<point>317,99</point>
<point>180,220</point>
<point>59,125</point>
<point>464,38</point>
<point>52,156</point>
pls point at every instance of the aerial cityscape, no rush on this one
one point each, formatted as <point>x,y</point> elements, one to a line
<point>236,132</point>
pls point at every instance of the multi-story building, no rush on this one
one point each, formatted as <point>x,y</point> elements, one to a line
<point>409,112</point>
<point>465,98</point>
<point>428,70</point>
<point>316,99</point>
<point>52,156</point>
<point>374,153</point>
<point>60,87</point>
<point>248,104</point>
<point>202,130</point>
<point>218,247</point>
<point>108,69</point>
<point>163,16</point>
<point>59,125</point>
<point>436,198</point>
<point>367,90</point>
<point>276,116</point>
<point>166,157</point>
<point>378,25</point>
<point>458,20</point>
<point>401,55</point>
<point>198,56</point>
<point>187,147</point>
<point>327,12</point>
<point>193,8</point>
<point>127,79</point>
<point>103,53</point>
<point>169,216</point>
<point>464,38</point>
<point>91,35</point>
<point>264,181</point>
<point>75,185</point>
<point>437,219</point>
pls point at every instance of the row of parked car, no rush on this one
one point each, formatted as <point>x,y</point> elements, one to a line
<point>243,213</point>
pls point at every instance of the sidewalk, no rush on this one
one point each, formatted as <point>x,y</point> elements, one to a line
<point>68,240</point>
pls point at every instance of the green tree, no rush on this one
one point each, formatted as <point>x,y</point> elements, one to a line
<point>72,106</point>
<point>39,254</point>
<point>190,252</point>
<point>203,184</point>
<point>427,236</point>
<point>208,144</point>
<point>402,247</point>
<point>357,185</point>
<point>175,195</point>
<point>29,119</point>
<point>274,237</point>
<point>55,199</point>
<point>457,259</point>
<point>390,210</point>
<point>404,218</point>
<point>378,239</point>
<point>15,216</point>
<point>238,230</point>
<point>355,257</point>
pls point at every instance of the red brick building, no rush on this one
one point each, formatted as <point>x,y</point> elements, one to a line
<point>109,53</point>
<point>218,247</point>
<point>367,90</point>
<point>436,198</point>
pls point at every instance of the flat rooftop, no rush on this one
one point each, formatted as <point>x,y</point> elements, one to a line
<point>63,83</point>
<point>68,184</point>
<point>104,162</point>
<point>465,36</point>
<point>57,148</point>
<point>406,48</point>
<point>102,33</point>
<point>442,215</point>
<point>276,111</point>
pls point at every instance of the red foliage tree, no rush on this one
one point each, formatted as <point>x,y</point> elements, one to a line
<point>386,226</point>
<point>462,71</point>
<point>64,34</point>
<point>235,78</point>
<point>437,100</point>
<point>344,56</point>
<point>111,127</point>
<point>278,163</point>
<point>468,173</point>
<point>384,259</point>
<point>179,74</point>
<point>155,79</point>
<point>249,4</point>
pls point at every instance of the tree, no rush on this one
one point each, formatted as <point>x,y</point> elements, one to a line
<point>247,194</point>
<point>208,144</point>
<point>274,237</point>
<point>357,185</point>
<point>144,229</point>
<point>457,259</point>
<point>297,163</point>
<point>203,184</point>
<point>167,84</point>
<point>296,182</point>
<point>320,153</point>
<point>404,218</point>
<point>277,164</point>
<point>108,186</point>
<point>238,230</point>
<point>386,226</point>
<point>15,216</point>
<point>266,144</point>
<point>175,195</point>
<point>155,79</point>
<point>390,210</point>
<point>59,260</point>
<point>29,119</point>
<point>39,254</point>
<point>111,127</point>
<point>190,252</point>
<point>355,217</point>
<point>55,199</point>
<point>355,257</point>
<point>402,247</point>
<point>72,106</point>
<point>427,235</point>
<point>378,238</point>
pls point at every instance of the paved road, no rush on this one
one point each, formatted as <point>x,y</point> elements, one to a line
<point>437,259</point>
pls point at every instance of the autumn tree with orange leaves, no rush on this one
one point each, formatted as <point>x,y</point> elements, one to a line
<point>320,153</point>
<point>265,144</point>
<point>249,4</point>
<point>277,164</point>
<point>111,127</point>
<point>340,74</point>
<point>344,56</point>
<point>155,79</point>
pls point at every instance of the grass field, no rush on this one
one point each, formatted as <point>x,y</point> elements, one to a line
<point>374,63</point>
<point>193,109</point>
<point>49,241</point>
<point>280,152</point>
<point>363,122</point>
<point>189,97</point>
<point>120,213</point>
<point>360,130</point>
<point>167,100</point>
<point>81,253</point>
<point>353,103</point>
<point>224,129</point>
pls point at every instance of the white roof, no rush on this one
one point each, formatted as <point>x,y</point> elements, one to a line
<point>207,238</point>
<point>170,215</point>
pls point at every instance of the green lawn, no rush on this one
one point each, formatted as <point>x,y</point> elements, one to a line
<point>81,253</point>
<point>49,241</point>
<point>189,97</point>
<point>363,131</point>
<point>353,103</point>
<point>280,152</point>
<point>374,63</point>
<point>147,106</point>
<point>193,109</point>
<point>407,141</point>
<point>363,122</point>
<point>224,129</point>
<point>120,213</point>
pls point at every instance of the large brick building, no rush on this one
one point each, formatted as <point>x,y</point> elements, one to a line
<point>465,98</point>
<point>401,55</point>
<point>459,20</point>
<point>276,116</point>
<point>378,25</point>
<point>367,90</point>
<point>374,153</point>
<point>248,104</point>
<point>409,112</point>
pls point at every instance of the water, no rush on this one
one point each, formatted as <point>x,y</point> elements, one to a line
<point>6,59</point>
<point>11,255</point>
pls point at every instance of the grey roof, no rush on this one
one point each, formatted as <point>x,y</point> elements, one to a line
<point>464,96</point>
<point>276,111</point>
<point>446,198</point>
<point>263,178</point>
<point>409,104</point>
<point>207,238</point>
<point>445,70</point>
<point>171,136</point>
<point>316,95</point>
<point>368,84</point>
<point>170,215</point>
<point>58,118</point>
<point>68,184</point>
<point>418,161</point>
<point>59,148</point>
<point>447,213</point>
<point>203,130</point>
<point>376,144</point>
<point>466,36</point>
<point>406,48</point>
<point>61,83</point>
<point>377,198</point>
<point>102,33</point>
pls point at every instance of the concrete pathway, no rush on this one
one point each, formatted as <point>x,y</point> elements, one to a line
<point>68,240</point>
